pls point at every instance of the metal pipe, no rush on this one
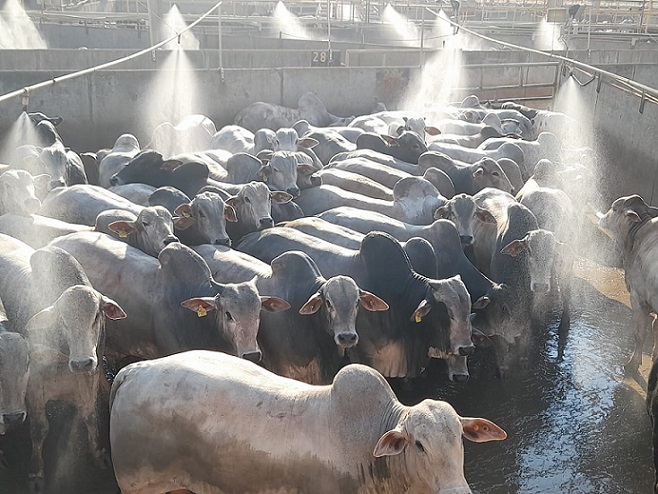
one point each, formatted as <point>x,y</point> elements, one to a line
<point>638,87</point>
<point>90,70</point>
<point>219,35</point>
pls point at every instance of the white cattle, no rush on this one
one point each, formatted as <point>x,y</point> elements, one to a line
<point>211,423</point>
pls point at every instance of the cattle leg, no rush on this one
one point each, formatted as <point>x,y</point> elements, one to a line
<point>643,322</point>
<point>38,432</point>
<point>89,416</point>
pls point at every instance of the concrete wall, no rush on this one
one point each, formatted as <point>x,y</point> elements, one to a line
<point>100,107</point>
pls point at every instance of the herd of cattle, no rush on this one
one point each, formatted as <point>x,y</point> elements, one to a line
<point>329,252</point>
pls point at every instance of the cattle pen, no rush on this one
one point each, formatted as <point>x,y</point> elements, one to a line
<point>576,419</point>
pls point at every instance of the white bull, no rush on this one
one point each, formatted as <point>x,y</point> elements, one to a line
<point>212,423</point>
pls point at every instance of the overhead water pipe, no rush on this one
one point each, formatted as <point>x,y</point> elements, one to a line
<point>91,70</point>
<point>615,80</point>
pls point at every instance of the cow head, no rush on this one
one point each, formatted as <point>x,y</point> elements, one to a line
<point>151,231</point>
<point>464,213</point>
<point>236,309</point>
<point>541,251</point>
<point>624,215</point>
<point>340,297</point>
<point>14,359</point>
<point>17,192</point>
<point>208,213</point>
<point>253,206</point>
<point>76,324</point>
<point>488,173</point>
<point>280,173</point>
<point>430,436</point>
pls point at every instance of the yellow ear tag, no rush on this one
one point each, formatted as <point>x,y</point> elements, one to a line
<point>200,312</point>
<point>265,179</point>
<point>417,318</point>
<point>123,234</point>
<point>186,214</point>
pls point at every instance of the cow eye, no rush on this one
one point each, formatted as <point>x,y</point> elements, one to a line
<point>328,304</point>
<point>228,316</point>
<point>495,174</point>
<point>275,169</point>
<point>420,447</point>
<point>247,200</point>
<point>145,223</point>
<point>202,214</point>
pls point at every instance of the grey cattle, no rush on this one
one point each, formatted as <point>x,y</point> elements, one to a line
<point>81,204</point>
<point>150,231</point>
<point>263,140</point>
<point>414,200</point>
<point>330,141</point>
<point>370,123</point>
<point>125,148</point>
<point>380,173</point>
<point>632,224</point>
<point>136,193</point>
<point>174,303</point>
<point>408,146</point>
<point>547,146</point>
<point>347,132</point>
<point>233,138</point>
<point>35,230</point>
<point>355,182</point>
<point>460,127</point>
<point>527,260</point>
<point>389,343</point>
<point>270,116</point>
<point>14,360</point>
<point>508,150</point>
<point>49,299</point>
<point>370,442</point>
<point>415,124</point>
<point>193,133</point>
<point>18,192</point>
<point>307,342</point>
<point>382,158</point>
<point>470,141</point>
<point>63,165</point>
<point>469,179</point>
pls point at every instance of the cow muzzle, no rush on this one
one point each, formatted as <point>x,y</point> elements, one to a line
<point>79,366</point>
<point>253,356</point>
<point>346,339</point>
<point>465,351</point>
<point>170,240</point>
<point>265,223</point>
<point>15,418</point>
<point>540,287</point>
<point>466,240</point>
<point>222,241</point>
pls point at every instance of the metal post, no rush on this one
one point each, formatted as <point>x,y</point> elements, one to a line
<point>422,35</point>
<point>219,32</point>
<point>589,30</point>
<point>329,29</point>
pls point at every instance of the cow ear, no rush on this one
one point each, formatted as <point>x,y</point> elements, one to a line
<point>421,311</point>
<point>399,130</point>
<point>390,444</point>
<point>200,305</point>
<point>182,223</point>
<point>264,172</point>
<point>280,197</point>
<point>184,210</point>
<point>514,248</point>
<point>307,142</point>
<point>312,305</point>
<point>442,213</point>
<point>41,181</point>
<point>44,319</point>
<point>372,302</point>
<point>233,201</point>
<point>481,430</point>
<point>230,214</point>
<point>123,228</point>
<point>171,164</point>
<point>265,155</point>
<point>112,310</point>
<point>274,304</point>
<point>306,168</point>
<point>433,131</point>
<point>632,215</point>
<point>479,172</point>
<point>485,216</point>
<point>481,303</point>
<point>389,140</point>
